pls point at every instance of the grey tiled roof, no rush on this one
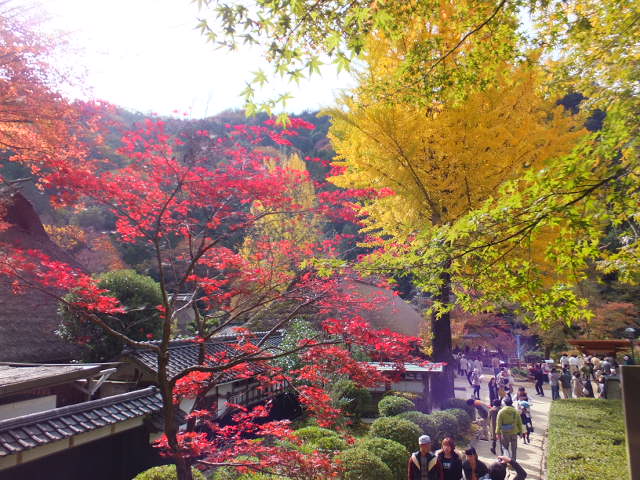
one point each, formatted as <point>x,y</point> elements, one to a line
<point>184,353</point>
<point>30,431</point>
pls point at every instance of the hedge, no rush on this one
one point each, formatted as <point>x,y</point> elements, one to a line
<point>402,431</point>
<point>360,464</point>
<point>587,440</point>
<point>424,421</point>
<point>446,425</point>
<point>166,472</point>
<point>394,455</point>
<point>313,434</point>
<point>462,417</point>
<point>392,405</point>
<point>459,403</point>
<point>329,444</point>
<point>350,398</point>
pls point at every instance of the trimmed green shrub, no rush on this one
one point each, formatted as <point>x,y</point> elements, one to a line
<point>534,356</point>
<point>393,454</point>
<point>450,403</point>
<point>166,472</point>
<point>392,405</point>
<point>360,464</point>
<point>138,293</point>
<point>313,434</point>
<point>587,440</point>
<point>398,429</point>
<point>446,425</point>
<point>424,421</point>
<point>463,419</point>
<point>330,444</point>
<point>350,398</point>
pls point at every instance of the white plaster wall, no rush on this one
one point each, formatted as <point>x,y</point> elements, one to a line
<point>25,407</point>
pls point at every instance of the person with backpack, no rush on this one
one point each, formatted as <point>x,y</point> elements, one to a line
<point>565,383</point>
<point>424,465</point>
<point>508,427</point>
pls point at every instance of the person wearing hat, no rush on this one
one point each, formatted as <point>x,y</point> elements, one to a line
<point>423,464</point>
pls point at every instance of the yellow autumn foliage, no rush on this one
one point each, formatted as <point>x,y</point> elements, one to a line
<point>442,161</point>
<point>67,237</point>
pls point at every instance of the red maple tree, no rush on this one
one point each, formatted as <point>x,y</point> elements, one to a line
<point>188,200</point>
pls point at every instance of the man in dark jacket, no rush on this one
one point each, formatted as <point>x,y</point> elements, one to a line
<point>423,464</point>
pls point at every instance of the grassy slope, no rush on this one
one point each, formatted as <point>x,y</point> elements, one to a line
<point>587,441</point>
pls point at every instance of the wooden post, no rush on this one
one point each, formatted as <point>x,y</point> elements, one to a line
<point>630,376</point>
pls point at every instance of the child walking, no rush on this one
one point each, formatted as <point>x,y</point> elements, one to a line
<point>525,414</point>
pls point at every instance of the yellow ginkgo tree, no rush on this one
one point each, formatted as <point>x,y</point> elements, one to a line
<point>442,161</point>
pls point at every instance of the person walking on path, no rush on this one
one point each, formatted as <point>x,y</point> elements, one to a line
<point>576,385</point>
<point>493,417</point>
<point>498,470</point>
<point>508,427</point>
<point>554,381</point>
<point>450,460</point>
<point>565,383</point>
<point>495,364</point>
<point>564,361</point>
<point>464,365</point>
<point>493,390</point>
<point>477,365</point>
<point>475,383</point>
<point>573,364</point>
<point>538,375</point>
<point>473,468</point>
<point>423,465</point>
<point>525,415</point>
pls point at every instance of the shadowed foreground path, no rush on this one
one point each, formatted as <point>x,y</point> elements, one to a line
<point>530,456</point>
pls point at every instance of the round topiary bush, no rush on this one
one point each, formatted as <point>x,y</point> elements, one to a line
<point>166,472</point>
<point>313,434</point>
<point>463,419</point>
<point>392,405</point>
<point>360,464</point>
<point>424,421</point>
<point>350,398</point>
<point>446,425</point>
<point>400,430</point>
<point>391,453</point>
<point>459,403</point>
<point>329,444</point>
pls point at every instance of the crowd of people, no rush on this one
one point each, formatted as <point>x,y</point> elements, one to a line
<point>450,464</point>
<point>507,417</point>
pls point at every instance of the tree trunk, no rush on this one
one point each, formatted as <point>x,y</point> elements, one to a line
<point>183,465</point>
<point>442,384</point>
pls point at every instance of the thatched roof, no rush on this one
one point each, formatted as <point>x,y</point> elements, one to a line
<point>28,321</point>
<point>393,312</point>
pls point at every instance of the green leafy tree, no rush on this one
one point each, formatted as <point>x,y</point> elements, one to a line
<point>139,294</point>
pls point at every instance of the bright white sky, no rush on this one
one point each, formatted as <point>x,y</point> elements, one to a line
<point>145,55</point>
